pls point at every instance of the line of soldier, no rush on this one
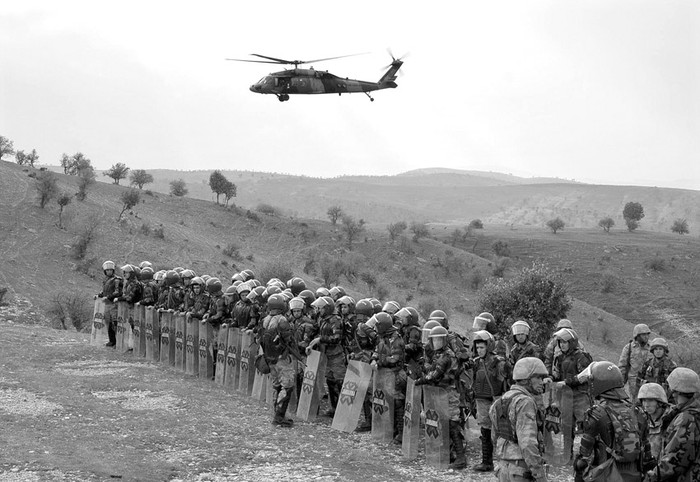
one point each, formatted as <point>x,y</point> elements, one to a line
<point>500,384</point>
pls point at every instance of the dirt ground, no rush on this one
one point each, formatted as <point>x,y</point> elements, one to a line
<point>73,412</point>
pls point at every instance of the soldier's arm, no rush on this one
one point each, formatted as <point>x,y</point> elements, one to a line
<point>395,357</point>
<point>524,412</point>
<point>624,358</point>
<point>679,452</point>
<point>438,370</point>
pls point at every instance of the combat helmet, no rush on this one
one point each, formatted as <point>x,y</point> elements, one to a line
<point>652,391</point>
<point>684,380</point>
<point>528,367</point>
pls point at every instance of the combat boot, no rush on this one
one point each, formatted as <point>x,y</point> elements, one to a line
<point>486,464</point>
<point>280,418</point>
<point>457,445</point>
<point>332,397</point>
<point>366,425</point>
<point>399,410</point>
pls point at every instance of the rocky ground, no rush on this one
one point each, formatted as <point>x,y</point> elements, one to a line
<point>73,412</point>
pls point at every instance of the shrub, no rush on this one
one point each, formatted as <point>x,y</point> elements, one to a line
<point>370,280</point>
<point>145,229</point>
<point>535,293</point>
<point>419,230</point>
<point>476,279</point>
<point>680,226</point>
<point>501,248</point>
<point>476,224</point>
<point>3,292</point>
<point>609,282</point>
<point>396,229</point>
<point>277,268</point>
<point>556,224</point>
<point>252,216</point>
<point>70,309</point>
<point>232,251</point>
<point>332,268</point>
<point>46,186</point>
<point>80,246</point>
<point>178,188</point>
<point>159,232</point>
<point>655,264</point>
<point>129,199</point>
<point>499,267</point>
<point>606,224</point>
<point>267,209</point>
<point>352,229</point>
<point>334,213</point>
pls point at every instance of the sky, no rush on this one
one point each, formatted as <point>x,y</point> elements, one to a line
<point>602,91</point>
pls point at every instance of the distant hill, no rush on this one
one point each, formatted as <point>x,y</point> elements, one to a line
<point>447,196</point>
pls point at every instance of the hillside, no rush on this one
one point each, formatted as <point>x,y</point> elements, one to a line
<point>448,196</point>
<point>38,265</point>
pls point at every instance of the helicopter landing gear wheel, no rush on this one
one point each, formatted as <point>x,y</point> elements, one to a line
<point>370,97</point>
<point>283,97</point>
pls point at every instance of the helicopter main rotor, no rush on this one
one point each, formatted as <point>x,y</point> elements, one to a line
<point>295,63</point>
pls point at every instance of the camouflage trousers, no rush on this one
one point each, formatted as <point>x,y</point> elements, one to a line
<point>513,471</point>
<point>283,375</point>
<point>336,367</point>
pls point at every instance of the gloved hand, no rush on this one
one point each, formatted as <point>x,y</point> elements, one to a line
<point>420,381</point>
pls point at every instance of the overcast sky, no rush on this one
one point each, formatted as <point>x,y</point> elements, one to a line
<point>600,91</point>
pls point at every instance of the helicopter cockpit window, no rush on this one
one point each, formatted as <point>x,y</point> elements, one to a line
<point>265,80</point>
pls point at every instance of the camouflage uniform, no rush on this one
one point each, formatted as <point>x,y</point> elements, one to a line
<point>331,338</point>
<point>149,296</point>
<point>568,365</point>
<point>655,430</point>
<point>174,297</point>
<point>599,437</point>
<point>634,355</point>
<point>522,350</point>
<point>551,351</point>
<point>442,371</point>
<point>217,315</point>
<point>391,353</point>
<point>656,370</point>
<point>197,305</point>
<point>491,376</point>
<point>111,288</point>
<point>243,314</point>
<point>278,337</point>
<point>519,445</point>
<point>680,456</point>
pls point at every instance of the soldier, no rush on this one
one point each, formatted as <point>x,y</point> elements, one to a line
<point>442,372</point>
<point>297,285</point>
<point>551,351</point>
<point>111,289</point>
<point>390,353</point>
<point>486,321</point>
<point>336,292</point>
<point>658,367</point>
<point>345,308</point>
<point>131,291</point>
<point>251,308</point>
<point>411,333</point>
<point>174,295</point>
<point>197,301</point>
<point>614,441</point>
<point>655,403</point>
<point>522,346</point>
<point>278,348</point>
<point>366,339</point>
<point>305,330</point>
<point>680,456</point>
<point>571,361</point>
<point>241,310</point>
<point>391,308</point>
<point>215,315</point>
<point>633,356</point>
<point>519,424</point>
<point>491,375</point>
<point>330,340</point>
<point>150,287</point>
<point>186,276</point>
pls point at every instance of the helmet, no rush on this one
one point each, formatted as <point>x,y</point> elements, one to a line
<point>482,320</point>
<point>325,305</point>
<point>206,277</point>
<point>564,323</point>
<point>336,292</point>
<point>187,274</point>
<point>146,273</point>
<point>253,283</point>
<point>273,281</point>
<point>376,304</point>
<point>640,329</point>
<point>277,301</point>
<point>308,296</point>
<point>137,270</point>
<point>145,264</point>
<point>237,277</point>
<point>385,325</point>
<point>364,307</point>
<point>437,331</point>
<point>652,391</point>
<point>659,343</point>
<point>179,269</point>
<point>391,307</point>
<point>372,322</point>
<point>197,281</point>
<point>255,293</point>
<point>242,288</point>
<point>214,285</point>
<point>566,334</point>
<point>684,380</point>
<point>430,324</point>
<point>107,265</point>
<point>602,377</point>
<point>237,283</point>
<point>127,268</point>
<point>248,274</point>
<point>159,275</point>
<point>271,290</point>
<point>408,316</point>
<point>172,278</point>
<point>297,304</point>
<point>297,285</point>
<point>438,315</point>
<point>346,300</point>
<point>483,335</point>
<point>230,291</point>
<point>287,295</point>
<point>528,367</point>
<point>520,328</point>
<point>322,292</point>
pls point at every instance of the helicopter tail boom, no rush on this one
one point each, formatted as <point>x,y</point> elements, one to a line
<point>388,79</point>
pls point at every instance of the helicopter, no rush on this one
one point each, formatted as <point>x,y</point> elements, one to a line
<point>311,81</point>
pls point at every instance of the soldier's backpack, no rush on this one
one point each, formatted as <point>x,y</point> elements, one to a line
<point>271,341</point>
<point>627,446</point>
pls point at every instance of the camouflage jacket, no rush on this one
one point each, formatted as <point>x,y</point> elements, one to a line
<point>111,288</point>
<point>331,335</point>
<point>443,368</point>
<point>366,337</point>
<point>550,353</point>
<point>412,338</point>
<point>390,352</point>
<point>242,314</point>
<point>632,359</point>
<point>173,298</point>
<point>528,422</point>
<point>197,305</point>
<point>656,370</point>
<point>491,375</point>
<point>305,330</point>
<point>518,351</point>
<point>680,456</point>
<point>569,364</point>
<point>217,309</point>
<point>150,293</point>
<point>132,291</point>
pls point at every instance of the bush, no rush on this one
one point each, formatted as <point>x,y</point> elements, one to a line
<point>534,294</point>
<point>252,216</point>
<point>278,268</point>
<point>476,279</point>
<point>178,188</point>
<point>655,264</point>
<point>332,268</point>
<point>556,224</point>
<point>633,212</point>
<point>129,199</point>
<point>267,209</point>
<point>419,230</point>
<point>499,267</point>
<point>501,248</point>
<point>476,224</point>
<point>3,292</point>
<point>609,282</point>
<point>232,251</point>
<point>396,229</point>
<point>70,309</point>
<point>680,226</point>
<point>46,186</point>
<point>606,224</point>
<point>159,232</point>
<point>145,229</point>
<point>80,246</point>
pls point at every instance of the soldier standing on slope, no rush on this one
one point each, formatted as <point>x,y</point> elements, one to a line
<point>111,289</point>
<point>519,424</point>
<point>633,356</point>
